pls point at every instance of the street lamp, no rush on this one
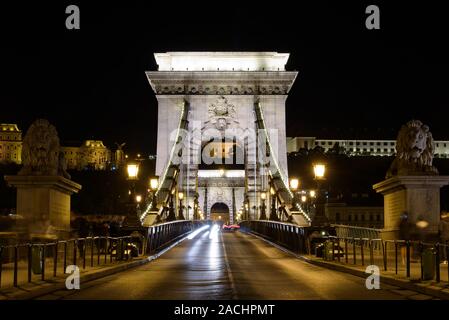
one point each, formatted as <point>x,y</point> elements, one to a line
<point>294,184</point>
<point>312,193</point>
<point>319,170</point>
<point>263,196</point>
<point>154,184</point>
<point>132,219</point>
<point>181,207</point>
<point>273,215</point>
<point>133,171</point>
<point>320,215</point>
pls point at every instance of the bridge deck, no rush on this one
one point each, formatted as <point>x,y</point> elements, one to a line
<point>232,265</point>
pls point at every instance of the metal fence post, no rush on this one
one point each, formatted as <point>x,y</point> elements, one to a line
<point>65,257</point>
<point>43,262</point>
<point>354,253</point>
<point>98,250</point>
<point>437,262</point>
<point>30,260</point>
<point>55,259</point>
<point>75,243</point>
<point>361,251</point>
<point>407,244</point>
<point>92,245</point>
<point>15,265</point>
<point>346,250</point>
<point>1,265</point>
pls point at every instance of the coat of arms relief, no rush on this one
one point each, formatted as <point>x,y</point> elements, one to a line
<point>221,114</point>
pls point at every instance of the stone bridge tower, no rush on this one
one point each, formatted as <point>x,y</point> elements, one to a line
<point>221,90</point>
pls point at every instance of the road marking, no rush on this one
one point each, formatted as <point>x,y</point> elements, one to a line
<point>228,269</point>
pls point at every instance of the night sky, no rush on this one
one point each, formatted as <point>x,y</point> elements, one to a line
<point>90,83</point>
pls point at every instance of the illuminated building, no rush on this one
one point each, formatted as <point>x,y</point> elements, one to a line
<point>10,143</point>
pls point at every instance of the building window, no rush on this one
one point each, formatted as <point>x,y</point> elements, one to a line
<point>371,143</point>
<point>356,217</point>
<point>337,217</point>
<point>391,143</point>
<point>364,143</point>
<point>378,217</point>
<point>370,217</point>
<point>385,143</point>
<point>378,143</point>
<point>349,217</point>
<point>351,143</point>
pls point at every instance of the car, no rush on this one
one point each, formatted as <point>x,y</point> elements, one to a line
<point>231,227</point>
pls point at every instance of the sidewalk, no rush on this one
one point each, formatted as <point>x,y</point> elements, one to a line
<point>36,288</point>
<point>414,283</point>
<point>430,287</point>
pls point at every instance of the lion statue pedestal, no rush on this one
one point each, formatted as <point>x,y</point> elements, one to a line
<point>43,185</point>
<point>413,185</point>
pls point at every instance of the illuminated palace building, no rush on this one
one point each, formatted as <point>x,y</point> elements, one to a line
<point>356,147</point>
<point>10,143</point>
<point>90,154</point>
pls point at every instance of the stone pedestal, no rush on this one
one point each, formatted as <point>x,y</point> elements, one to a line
<point>44,203</point>
<point>418,196</point>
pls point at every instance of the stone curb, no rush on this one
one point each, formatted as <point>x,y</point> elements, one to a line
<point>45,288</point>
<point>442,293</point>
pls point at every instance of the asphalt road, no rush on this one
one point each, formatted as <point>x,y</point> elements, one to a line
<point>229,266</point>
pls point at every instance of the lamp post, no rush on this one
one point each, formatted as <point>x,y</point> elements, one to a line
<point>171,207</point>
<point>294,184</point>
<point>132,220</point>
<point>154,184</point>
<point>181,207</point>
<point>320,216</point>
<point>273,215</point>
<point>263,196</point>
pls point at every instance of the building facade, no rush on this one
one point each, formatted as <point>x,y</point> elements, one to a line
<point>92,154</point>
<point>10,143</point>
<point>355,215</point>
<point>357,147</point>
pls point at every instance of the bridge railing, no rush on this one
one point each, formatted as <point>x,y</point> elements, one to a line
<point>345,231</point>
<point>410,259</point>
<point>284,234</point>
<point>22,263</point>
<point>162,235</point>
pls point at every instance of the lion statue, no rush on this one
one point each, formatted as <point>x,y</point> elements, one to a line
<point>41,155</point>
<point>414,151</point>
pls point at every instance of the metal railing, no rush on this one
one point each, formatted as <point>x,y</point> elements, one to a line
<point>284,234</point>
<point>345,231</point>
<point>410,259</point>
<point>27,262</point>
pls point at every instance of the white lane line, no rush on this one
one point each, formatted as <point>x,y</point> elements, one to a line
<point>228,270</point>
